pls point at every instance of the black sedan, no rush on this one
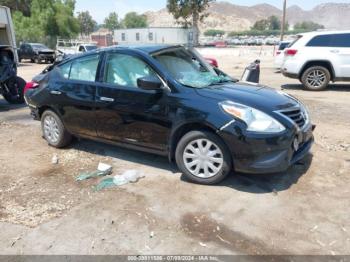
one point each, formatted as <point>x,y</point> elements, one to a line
<point>167,100</point>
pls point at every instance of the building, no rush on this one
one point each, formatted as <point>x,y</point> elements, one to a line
<point>154,35</point>
<point>103,37</point>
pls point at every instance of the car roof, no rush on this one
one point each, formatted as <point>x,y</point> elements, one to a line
<point>325,32</point>
<point>149,49</point>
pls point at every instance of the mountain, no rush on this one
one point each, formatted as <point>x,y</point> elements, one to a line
<point>231,17</point>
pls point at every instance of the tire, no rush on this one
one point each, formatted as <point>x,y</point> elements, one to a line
<point>316,78</point>
<point>206,175</point>
<point>16,86</point>
<point>36,60</point>
<point>54,131</point>
<point>32,60</point>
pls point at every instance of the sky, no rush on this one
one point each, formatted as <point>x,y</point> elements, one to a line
<point>100,9</point>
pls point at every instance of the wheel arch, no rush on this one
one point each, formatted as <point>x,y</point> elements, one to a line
<point>183,129</point>
<point>325,63</point>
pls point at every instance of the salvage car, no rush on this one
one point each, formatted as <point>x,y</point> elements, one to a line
<point>169,101</point>
<point>36,53</point>
<point>11,86</point>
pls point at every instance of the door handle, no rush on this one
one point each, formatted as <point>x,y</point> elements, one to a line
<point>54,92</point>
<point>335,51</point>
<point>106,99</point>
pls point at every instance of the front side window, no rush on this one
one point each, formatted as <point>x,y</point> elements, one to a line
<point>124,70</point>
<point>186,68</point>
<point>83,69</point>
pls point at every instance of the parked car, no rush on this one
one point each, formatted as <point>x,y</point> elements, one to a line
<point>36,53</point>
<point>11,86</point>
<point>212,61</point>
<point>279,56</point>
<point>318,58</point>
<point>169,101</point>
<point>72,47</point>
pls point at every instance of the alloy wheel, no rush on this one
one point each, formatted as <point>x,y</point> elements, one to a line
<point>51,129</point>
<point>203,158</point>
<point>316,78</point>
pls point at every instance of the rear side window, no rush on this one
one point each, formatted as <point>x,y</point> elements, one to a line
<point>341,40</point>
<point>320,41</point>
<point>83,69</point>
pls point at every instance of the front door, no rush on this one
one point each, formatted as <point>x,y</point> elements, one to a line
<point>125,113</point>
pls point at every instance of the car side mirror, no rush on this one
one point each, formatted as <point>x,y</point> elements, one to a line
<point>149,83</point>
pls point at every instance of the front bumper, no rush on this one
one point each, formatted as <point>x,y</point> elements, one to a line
<point>259,154</point>
<point>47,57</point>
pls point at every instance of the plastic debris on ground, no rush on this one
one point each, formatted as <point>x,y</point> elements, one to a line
<point>102,170</point>
<point>130,176</point>
<point>55,160</point>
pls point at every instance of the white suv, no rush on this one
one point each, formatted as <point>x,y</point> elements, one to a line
<point>317,58</point>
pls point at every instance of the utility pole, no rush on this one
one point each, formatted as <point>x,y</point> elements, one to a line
<point>284,19</point>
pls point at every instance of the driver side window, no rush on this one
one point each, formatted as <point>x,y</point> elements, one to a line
<point>124,70</point>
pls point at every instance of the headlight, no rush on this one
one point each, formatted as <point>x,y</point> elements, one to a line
<point>256,120</point>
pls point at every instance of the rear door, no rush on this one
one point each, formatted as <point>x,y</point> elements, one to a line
<point>73,94</point>
<point>126,113</point>
<point>340,47</point>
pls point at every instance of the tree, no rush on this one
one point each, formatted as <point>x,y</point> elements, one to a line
<point>189,12</point>
<point>308,26</point>
<point>112,22</point>
<point>23,6</point>
<point>214,32</point>
<point>86,22</point>
<point>274,23</point>
<point>48,19</point>
<point>133,20</point>
<point>261,25</point>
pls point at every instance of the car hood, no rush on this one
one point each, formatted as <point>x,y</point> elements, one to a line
<point>257,96</point>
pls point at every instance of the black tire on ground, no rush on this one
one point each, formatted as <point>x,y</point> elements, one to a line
<point>226,157</point>
<point>32,60</point>
<point>37,60</point>
<point>16,86</point>
<point>19,59</point>
<point>64,137</point>
<point>321,83</point>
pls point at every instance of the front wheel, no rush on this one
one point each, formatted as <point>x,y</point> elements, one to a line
<point>316,78</point>
<point>54,131</point>
<point>203,157</point>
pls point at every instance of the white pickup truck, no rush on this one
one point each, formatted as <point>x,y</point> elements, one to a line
<point>72,47</point>
<point>7,35</point>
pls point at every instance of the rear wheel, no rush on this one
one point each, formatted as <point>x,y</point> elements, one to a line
<point>54,131</point>
<point>15,86</point>
<point>37,60</point>
<point>316,78</point>
<point>203,157</point>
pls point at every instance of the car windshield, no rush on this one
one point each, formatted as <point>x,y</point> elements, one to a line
<point>189,69</point>
<point>39,46</point>
<point>90,47</point>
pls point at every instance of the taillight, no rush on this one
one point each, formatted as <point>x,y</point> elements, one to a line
<point>291,52</point>
<point>30,85</point>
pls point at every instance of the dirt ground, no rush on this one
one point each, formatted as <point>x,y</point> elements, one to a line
<point>305,210</point>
